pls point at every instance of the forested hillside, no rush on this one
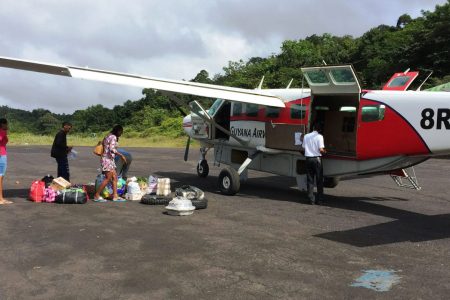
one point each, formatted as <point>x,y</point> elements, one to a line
<point>421,44</point>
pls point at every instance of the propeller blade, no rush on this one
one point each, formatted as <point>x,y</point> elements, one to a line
<point>186,152</point>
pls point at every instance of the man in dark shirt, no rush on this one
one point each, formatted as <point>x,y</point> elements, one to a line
<point>60,151</point>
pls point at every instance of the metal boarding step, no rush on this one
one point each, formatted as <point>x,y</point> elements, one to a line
<point>406,178</point>
<point>218,154</point>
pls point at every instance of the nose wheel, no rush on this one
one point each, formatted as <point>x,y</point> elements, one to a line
<point>202,168</point>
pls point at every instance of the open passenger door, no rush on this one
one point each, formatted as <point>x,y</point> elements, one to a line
<point>335,95</point>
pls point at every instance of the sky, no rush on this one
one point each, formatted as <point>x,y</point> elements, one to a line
<point>167,39</point>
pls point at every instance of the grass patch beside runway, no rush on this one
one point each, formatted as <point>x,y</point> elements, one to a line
<point>21,139</point>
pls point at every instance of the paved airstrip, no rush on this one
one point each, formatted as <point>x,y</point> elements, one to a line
<point>372,239</point>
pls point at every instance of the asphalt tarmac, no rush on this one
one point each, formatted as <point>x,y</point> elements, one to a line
<point>264,243</point>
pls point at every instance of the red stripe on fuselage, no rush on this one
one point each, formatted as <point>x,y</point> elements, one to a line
<point>391,136</point>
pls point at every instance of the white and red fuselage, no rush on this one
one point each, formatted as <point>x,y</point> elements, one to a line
<point>413,127</point>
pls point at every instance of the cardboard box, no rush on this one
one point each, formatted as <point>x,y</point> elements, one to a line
<point>60,184</point>
<point>282,136</point>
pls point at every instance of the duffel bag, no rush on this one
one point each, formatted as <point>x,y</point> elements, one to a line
<point>196,195</point>
<point>71,196</point>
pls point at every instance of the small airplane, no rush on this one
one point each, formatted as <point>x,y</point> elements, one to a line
<point>384,131</point>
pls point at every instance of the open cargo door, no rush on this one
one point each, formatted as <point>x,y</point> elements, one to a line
<point>335,95</point>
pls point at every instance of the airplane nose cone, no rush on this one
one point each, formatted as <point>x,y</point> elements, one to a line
<point>187,124</point>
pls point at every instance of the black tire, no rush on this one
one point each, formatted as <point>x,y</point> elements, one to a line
<point>203,169</point>
<point>229,182</point>
<point>330,182</point>
<point>155,200</point>
<point>200,204</point>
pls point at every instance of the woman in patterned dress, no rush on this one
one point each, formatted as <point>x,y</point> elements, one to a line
<point>108,165</point>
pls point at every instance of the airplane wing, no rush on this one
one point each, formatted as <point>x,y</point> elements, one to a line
<point>176,86</point>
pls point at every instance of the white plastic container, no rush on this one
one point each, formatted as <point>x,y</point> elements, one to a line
<point>180,206</point>
<point>133,191</point>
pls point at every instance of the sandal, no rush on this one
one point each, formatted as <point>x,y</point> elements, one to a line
<point>100,199</point>
<point>4,201</point>
<point>120,199</point>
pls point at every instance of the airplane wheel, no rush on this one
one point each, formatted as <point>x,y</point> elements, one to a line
<point>229,182</point>
<point>203,168</point>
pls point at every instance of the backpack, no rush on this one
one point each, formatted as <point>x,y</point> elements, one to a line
<point>37,190</point>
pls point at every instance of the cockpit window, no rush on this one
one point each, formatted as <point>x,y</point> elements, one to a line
<point>371,113</point>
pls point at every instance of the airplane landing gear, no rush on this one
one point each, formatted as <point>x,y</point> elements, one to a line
<point>202,168</point>
<point>229,182</point>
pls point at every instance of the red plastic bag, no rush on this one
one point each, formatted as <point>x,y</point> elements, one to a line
<point>37,191</point>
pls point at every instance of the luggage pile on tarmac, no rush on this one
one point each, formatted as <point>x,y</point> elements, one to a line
<point>57,190</point>
<point>151,191</point>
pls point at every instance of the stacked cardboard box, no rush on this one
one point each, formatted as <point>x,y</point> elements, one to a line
<point>163,188</point>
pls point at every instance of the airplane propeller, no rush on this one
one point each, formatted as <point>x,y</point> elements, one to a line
<point>186,151</point>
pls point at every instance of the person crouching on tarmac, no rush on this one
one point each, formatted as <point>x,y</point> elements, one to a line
<point>314,148</point>
<point>108,165</point>
<point>122,166</point>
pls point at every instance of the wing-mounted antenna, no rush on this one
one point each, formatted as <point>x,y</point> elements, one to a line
<point>260,84</point>
<point>289,84</point>
<point>425,80</point>
<point>407,70</point>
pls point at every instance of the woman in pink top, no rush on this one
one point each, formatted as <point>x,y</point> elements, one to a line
<point>3,157</point>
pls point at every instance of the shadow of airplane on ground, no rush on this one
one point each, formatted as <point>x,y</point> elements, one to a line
<point>406,226</point>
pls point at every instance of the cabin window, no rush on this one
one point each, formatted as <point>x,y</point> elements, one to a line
<point>342,76</point>
<point>272,112</point>
<point>351,109</point>
<point>252,110</point>
<point>298,111</point>
<point>399,81</point>
<point>317,77</point>
<point>371,113</point>
<point>237,109</point>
